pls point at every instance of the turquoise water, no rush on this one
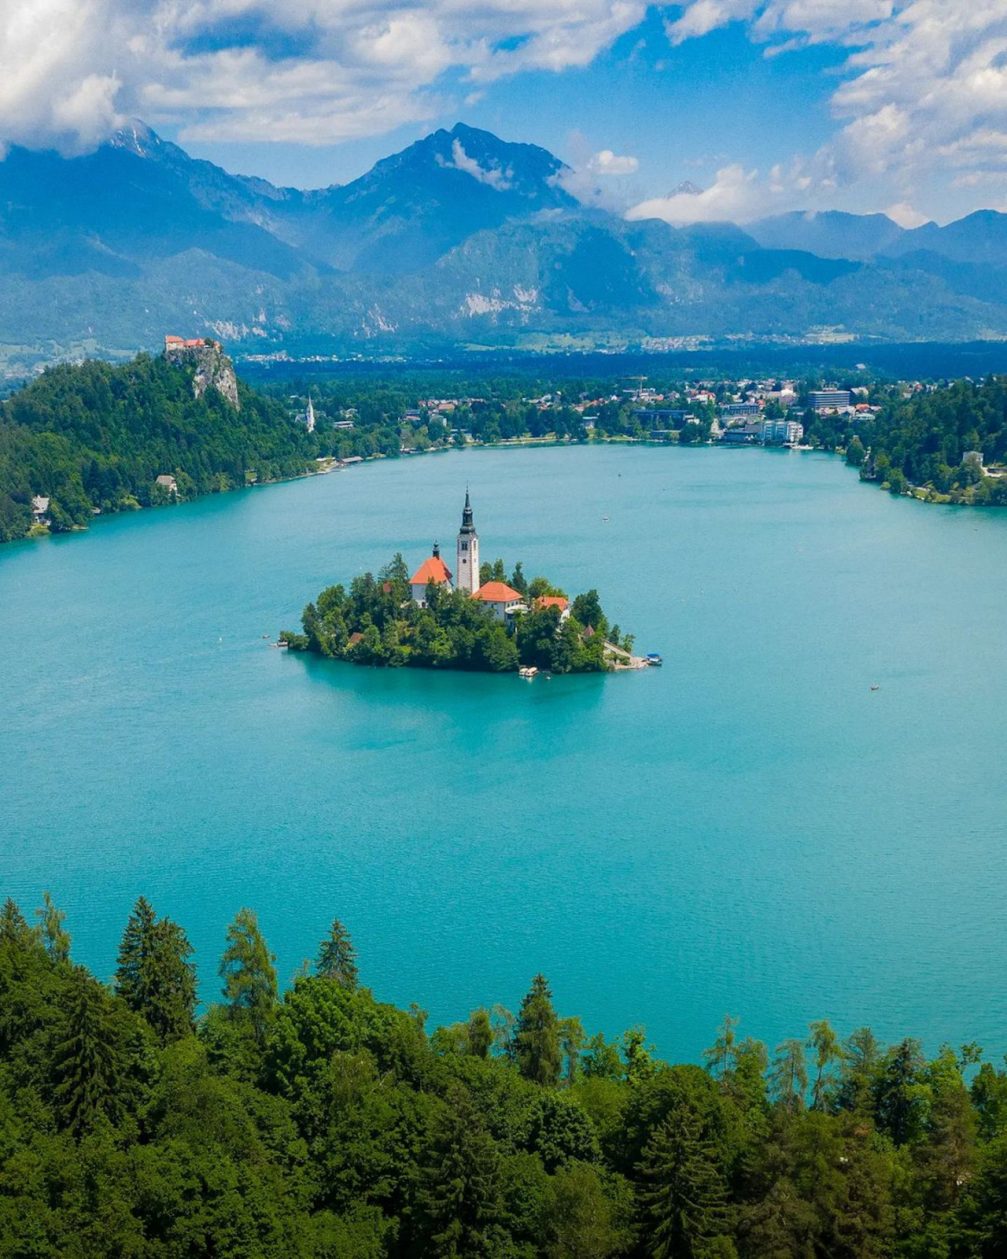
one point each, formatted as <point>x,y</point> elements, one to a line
<point>749,830</point>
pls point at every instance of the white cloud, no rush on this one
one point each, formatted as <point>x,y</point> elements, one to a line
<point>309,71</point>
<point>735,195</point>
<point>923,88</point>
<point>905,215</point>
<point>492,175</point>
<point>605,162</point>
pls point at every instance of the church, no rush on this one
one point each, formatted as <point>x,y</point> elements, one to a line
<point>501,599</point>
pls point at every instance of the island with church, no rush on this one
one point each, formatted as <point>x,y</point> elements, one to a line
<point>476,618</point>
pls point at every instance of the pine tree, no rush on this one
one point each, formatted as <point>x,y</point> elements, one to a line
<point>87,1063</point>
<point>55,938</point>
<point>337,958</point>
<point>536,1045</point>
<point>459,1197</point>
<point>170,983</point>
<point>14,928</point>
<point>134,949</point>
<point>683,1197</point>
<point>248,973</point>
<point>155,977</point>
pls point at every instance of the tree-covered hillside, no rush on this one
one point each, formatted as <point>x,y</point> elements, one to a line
<point>325,1124</point>
<point>95,437</point>
<point>930,440</point>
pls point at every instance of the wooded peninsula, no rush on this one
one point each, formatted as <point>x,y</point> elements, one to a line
<point>323,1123</point>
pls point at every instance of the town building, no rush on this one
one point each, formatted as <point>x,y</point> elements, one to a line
<point>781,432</point>
<point>39,508</point>
<point>738,410</point>
<point>168,483</point>
<point>830,399</point>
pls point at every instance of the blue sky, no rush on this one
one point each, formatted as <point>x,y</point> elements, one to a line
<point>765,105</point>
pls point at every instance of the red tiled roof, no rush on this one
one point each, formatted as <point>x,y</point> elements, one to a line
<point>553,601</point>
<point>431,570</point>
<point>354,638</point>
<point>496,592</point>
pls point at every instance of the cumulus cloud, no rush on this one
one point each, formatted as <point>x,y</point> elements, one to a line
<point>923,87</point>
<point>308,71</point>
<point>605,162</point>
<point>735,195</point>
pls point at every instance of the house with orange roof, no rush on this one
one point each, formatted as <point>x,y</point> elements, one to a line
<point>432,572</point>
<point>502,600</point>
<point>555,601</point>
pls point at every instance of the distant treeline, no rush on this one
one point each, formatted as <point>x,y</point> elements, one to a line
<point>325,1124</point>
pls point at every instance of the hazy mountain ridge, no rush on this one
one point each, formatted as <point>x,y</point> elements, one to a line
<point>459,238</point>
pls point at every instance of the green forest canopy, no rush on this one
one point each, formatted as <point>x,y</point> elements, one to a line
<point>325,1123</point>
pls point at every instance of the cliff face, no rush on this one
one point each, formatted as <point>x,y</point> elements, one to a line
<point>211,368</point>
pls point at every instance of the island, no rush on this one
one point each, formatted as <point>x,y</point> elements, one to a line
<point>473,619</point>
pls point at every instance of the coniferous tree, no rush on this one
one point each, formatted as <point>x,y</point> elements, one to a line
<point>459,1198</point>
<point>249,974</point>
<point>683,1196</point>
<point>87,1062</point>
<point>536,1046</point>
<point>134,949</point>
<point>55,938</point>
<point>155,976</point>
<point>14,928</point>
<point>337,958</point>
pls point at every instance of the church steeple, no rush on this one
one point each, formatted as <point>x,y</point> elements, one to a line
<point>467,551</point>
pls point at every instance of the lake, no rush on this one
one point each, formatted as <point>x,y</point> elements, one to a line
<point>750,830</point>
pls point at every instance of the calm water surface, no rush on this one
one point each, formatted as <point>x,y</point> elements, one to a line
<point>749,830</point>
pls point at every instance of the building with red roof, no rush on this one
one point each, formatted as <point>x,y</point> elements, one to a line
<point>432,571</point>
<point>501,599</point>
<point>555,601</point>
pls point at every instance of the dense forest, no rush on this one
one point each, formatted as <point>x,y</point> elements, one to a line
<point>323,1123</point>
<point>930,439</point>
<point>94,437</point>
<point>377,622</point>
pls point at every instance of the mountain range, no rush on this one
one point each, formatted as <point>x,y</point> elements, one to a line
<point>461,239</point>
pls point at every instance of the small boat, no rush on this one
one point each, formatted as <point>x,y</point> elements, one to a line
<point>654,659</point>
<point>875,686</point>
<point>527,671</point>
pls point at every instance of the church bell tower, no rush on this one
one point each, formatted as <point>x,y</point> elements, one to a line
<point>467,569</point>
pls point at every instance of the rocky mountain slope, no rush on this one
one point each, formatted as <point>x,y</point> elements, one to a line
<point>462,238</point>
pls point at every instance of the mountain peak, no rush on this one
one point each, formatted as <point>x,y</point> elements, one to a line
<point>134,136</point>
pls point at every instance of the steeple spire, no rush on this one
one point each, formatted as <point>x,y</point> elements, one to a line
<point>467,550</point>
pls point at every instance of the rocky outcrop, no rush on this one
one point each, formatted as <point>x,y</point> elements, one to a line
<point>211,368</point>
